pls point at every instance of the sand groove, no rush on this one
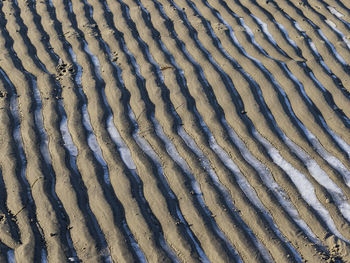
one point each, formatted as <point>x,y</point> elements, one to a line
<point>174,131</point>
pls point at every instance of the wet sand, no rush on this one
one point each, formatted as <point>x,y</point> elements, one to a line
<point>175,131</point>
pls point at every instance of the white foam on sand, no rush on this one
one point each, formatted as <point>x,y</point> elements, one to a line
<point>335,12</point>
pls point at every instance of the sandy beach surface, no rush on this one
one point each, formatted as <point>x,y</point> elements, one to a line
<point>174,131</point>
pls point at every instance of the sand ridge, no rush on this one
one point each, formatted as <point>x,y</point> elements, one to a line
<point>174,131</point>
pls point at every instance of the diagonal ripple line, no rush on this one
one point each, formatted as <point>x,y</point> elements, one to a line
<point>91,138</point>
<point>170,147</point>
<point>174,130</point>
<point>322,178</point>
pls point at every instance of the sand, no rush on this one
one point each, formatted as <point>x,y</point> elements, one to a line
<point>175,131</point>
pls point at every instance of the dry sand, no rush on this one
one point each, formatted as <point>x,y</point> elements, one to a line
<point>174,131</point>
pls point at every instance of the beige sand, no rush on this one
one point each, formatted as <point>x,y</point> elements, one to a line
<point>175,131</point>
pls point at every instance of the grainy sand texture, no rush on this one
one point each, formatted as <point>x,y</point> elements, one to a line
<point>174,131</point>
